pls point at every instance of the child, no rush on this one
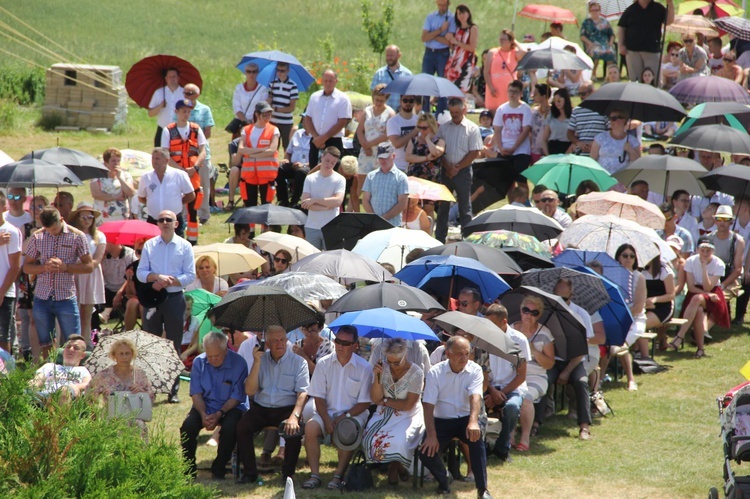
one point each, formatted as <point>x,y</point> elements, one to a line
<point>485,124</point>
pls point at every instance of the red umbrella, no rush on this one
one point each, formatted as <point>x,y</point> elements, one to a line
<point>147,76</point>
<point>127,232</point>
<point>548,13</point>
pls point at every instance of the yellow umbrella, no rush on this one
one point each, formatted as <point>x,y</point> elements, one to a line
<point>420,188</point>
<point>273,242</point>
<point>230,258</point>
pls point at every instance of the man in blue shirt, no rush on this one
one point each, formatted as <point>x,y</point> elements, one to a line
<point>201,114</point>
<point>392,70</point>
<point>437,49</point>
<point>278,383</point>
<point>386,190</point>
<point>216,387</point>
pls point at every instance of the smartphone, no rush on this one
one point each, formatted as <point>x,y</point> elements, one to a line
<point>262,345</point>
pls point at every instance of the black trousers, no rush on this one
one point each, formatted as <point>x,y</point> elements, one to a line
<point>193,425</point>
<point>314,151</point>
<point>580,383</point>
<point>253,421</point>
<point>297,176</point>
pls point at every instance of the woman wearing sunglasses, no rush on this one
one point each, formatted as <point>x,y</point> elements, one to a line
<point>541,344</point>
<point>693,59</point>
<point>281,261</point>
<point>616,148</point>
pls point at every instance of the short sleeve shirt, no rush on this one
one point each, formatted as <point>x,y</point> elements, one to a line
<point>398,126</point>
<point>69,246</point>
<point>326,110</point>
<point>318,186</point>
<point>715,268</point>
<point>451,392</point>
<point>342,387</point>
<point>512,120</point>
<point>384,189</point>
<point>643,26</point>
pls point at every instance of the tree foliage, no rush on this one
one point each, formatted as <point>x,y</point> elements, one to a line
<point>378,31</point>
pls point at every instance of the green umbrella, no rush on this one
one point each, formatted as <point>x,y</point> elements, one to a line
<point>710,112</point>
<point>563,173</point>
<point>203,301</point>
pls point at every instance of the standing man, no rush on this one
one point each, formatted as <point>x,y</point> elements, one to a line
<point>167,263</point>
<point>22,220</point>
<point>437,48</point>
<point>64,203</point>
<point>401,128</point>
<point>386,190</point>
<point>165,189</point>
<point>639,34</point>
<point>512,125</point>
<point>216,387</point>
<point>328,112</point>
<point>463,143</point>
<point>392,70</point>
<point>187,150</point>
<point>283,97</point>
<point>452,402</point>
<point>10,268</point>
<point>322,196</point>
<point>584,123</point>
<point>163,102</point>
<point>201,115</point>
<point>54,254</point>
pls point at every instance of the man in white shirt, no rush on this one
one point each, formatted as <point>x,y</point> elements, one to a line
<point>294,167</point>
<point>401,128</point>
<point>10,268</point>
<point>452,404</point>
<point>512,125</point>
<point>163,102</point>
<point>549,205</point>
<point>340,387</point>
<point>322,196</point>
<point>328,112</point>
<point>640,188</point>
<point>681,204</point>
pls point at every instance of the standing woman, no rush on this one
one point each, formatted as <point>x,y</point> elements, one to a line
<point>424,156</point>
<point>598,37</point>
<point>539,114</point>
<point>112,194</point>
<point>259,149</point>
<point>500,69</point>
<point>90,287</point>
<point>555,135</point>
<point>371,132</point>
<point>460,66</point>
<point>247,95</point>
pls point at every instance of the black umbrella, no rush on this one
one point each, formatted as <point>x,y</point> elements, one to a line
<point>344,231</point>
<point>385,294</point>
<point>731,179</point>
<point>716,113</point>
<point>487,335</point>
<point>568,331</point>
<point>738,26</point>
<point>588,290</point>
<point>551,58</point>
<point>643,102</point>
<point>713,138</point>
<point>524,220</point>
<point>257,307</point>
<point>493,258</point>
<point>84,165</point>
<point>268,214</point>
<point>37,173</point>
<point>527,260</point>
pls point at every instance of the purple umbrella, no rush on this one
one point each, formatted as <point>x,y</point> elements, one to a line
<point>701,89</point>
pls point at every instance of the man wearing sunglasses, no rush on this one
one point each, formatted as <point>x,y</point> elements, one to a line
<point>549,204</point>
<point>401,128</point>
<point>167,263</point>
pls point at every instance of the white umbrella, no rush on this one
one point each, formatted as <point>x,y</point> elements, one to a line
<point>556,42</point>
<point>392,245</point>
<point>5,159</point>
<point>230,258</point>
<point>625,206</point>
<point>273,242</point>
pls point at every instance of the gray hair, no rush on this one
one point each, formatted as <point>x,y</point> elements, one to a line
<point>396,347</point>
<point>161,150</point>
<point>215,337</point>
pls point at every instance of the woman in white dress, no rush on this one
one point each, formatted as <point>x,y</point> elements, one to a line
<point>112,194</point>
<point>371,132</point>
<point>90,287</point>
<point>397,426</point>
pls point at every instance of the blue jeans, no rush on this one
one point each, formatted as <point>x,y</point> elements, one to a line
<point>315,237</point>
<point>433,63</point>
<point>511,412</point>
<point>66,313</point>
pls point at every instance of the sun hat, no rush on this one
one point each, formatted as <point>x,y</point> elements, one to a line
<point>724,211</point>
<point>85,206</point>
<point>348,434</point>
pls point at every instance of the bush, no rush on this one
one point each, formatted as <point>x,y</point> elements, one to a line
<point>70,450</point>
<point>7,115</point>
<point>22,85</point>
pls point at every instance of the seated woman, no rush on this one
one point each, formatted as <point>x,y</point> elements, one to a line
<point>415,217</point>
<point>616,148</point>
<point>397,426</point>
<point>541,344</point>
<point>693,60</point>
<point>206,278</point>
<point>296,230</point>
<point>670,68</point>
<point>282,260</point>
<point>123,376</point>
<point>660,292</point>
<point>704,304</point>
<point>190,344</point>
<point>313,346</point>
<point>730,69</point>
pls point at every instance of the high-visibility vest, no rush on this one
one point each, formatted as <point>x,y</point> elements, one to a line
<point>259,171</point>
<point>185,152</point>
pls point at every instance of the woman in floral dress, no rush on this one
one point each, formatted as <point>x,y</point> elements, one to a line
<point>598,37</point>
<point>112,194</point>
<point>460,66</point>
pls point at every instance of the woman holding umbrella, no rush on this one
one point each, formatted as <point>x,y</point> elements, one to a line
<point>616,148</point>
<point>598,37</point>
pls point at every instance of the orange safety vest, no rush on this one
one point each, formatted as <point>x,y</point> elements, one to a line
<point>185,152</point>
<point>258,171</point>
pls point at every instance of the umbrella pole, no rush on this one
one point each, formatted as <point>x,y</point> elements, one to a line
<point>661,49</point>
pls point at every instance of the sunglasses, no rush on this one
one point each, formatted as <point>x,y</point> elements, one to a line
<point>87,217</point>
<point>343,343</point>
<point>397,363</point>
<point>628,255</point>
<point>723,219</point>
<point>726,59</point>
<point>280,260</point>
<point>15,197</point>
<point>464,303</point>
<point>251,71</point>
<point>189,93</point>
<point>408,101</point>
<point>616,118</point>
<point>689,40</point>
<point>423,128</point>
<point>528,311</point>
<point>547,200</point>
<point>165,220</point>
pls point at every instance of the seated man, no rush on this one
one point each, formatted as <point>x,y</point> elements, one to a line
<point>278,383</point>
<point>216,387</point>
<point>71,378</point>
<point>452,402</point>
<point>294,167</point>
<point>340,387</point>
<point>640,188</point>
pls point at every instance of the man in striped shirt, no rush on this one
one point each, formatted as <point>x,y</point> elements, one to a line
<point>584,123</point>
<point>283,99</point>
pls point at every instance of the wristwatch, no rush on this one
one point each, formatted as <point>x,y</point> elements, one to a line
<point>385,401</point>
<point>222,412</point>
<point>296,415</point>
<point>348,414</point>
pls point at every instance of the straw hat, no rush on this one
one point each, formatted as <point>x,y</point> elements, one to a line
<point>85,206</point>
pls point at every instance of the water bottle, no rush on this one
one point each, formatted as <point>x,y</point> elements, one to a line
<point>234,463</point>
<point>259,483</point>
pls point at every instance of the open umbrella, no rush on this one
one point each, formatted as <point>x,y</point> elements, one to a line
<point>733,114</point>
<point>732,179</point>
<point>564,172</point>
<point>555,42</point>
<point>664,174</point>
<point>447,275</point>
<point>384,322</point>
<point>128,232</point>
<point>709,89</point>
<point>345,231</point>
<point>423,84</point>
<point>37,173</point>
<point>548,13</point>
<point>135,162</point>
<point>616,315</point>
<point>272,242</point>
<point>624,206</point>
<point>266,61</point>
<point>689,24</point>
<point>230,258</point>
<point>5,159</point>
<point>613,9</point>
<point>712,9</point>
<point>517,219</point>
<point>82,164</point>
<point>268,214</point>
<point>574,258</point>
<point>344,266</point>
<point>526,259</point>
<point>147,76</point>
<point>487,335</point>
<point>426,190</point>
<point>385,294</point>
<point>551,58</point>
<point>257,307</point>
<point>503,239</point>
<point>588,291</point>
<point>493,258</point>
<point>392,245</point>
<point>157,358</point>
<point>643,102</point>
<point>737,26</point>
<point>713,138</point>
<point>203,301</point>
<point>569,333</point>
<point>305,286</point>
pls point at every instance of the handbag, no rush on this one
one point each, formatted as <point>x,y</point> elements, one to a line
<point>358,476</point>
<point>234,126</point>
<point>126,404</point>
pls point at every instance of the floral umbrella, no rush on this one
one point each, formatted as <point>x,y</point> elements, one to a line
<point>506,238</point>
<point>625,206</point>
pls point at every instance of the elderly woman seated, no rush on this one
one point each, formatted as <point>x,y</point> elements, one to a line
<point>397,426</point>
<point>69,379</point>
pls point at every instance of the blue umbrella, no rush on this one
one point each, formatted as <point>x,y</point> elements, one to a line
<point>423,84</point>
<point>384,322</point>
<point>266,62</point>
<point>616,314</point>
<point>448,274</point>
<point>613,271</point>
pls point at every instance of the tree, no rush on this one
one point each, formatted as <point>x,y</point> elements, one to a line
<point>379,31</point>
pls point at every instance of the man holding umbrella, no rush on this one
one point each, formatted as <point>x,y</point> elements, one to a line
<point>163,102</point>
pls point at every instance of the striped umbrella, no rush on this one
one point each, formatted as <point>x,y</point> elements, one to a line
<point>613,9</point>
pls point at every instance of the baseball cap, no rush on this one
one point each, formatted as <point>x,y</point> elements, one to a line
<point>183,103</point>
<point>263,107</point>
<point>385,150</point>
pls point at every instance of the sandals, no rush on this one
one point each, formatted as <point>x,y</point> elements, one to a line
<point>534,430</point>
<point>229,206</point>
<point>699,354</point>
<point>584,434</point>
<point>313,482</point>
<point>335,483</point>
<point>673,345</point>
<point>522,447</point>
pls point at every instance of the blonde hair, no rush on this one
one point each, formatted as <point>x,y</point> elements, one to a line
<point>349,165</point>
<point>206,258</point>
<point>533,300</point>
<point>126,342</point>
<point>430,120</point>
